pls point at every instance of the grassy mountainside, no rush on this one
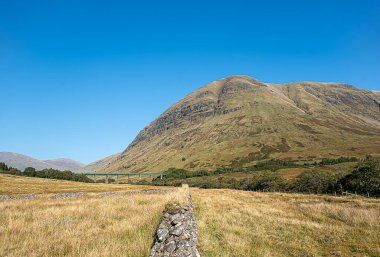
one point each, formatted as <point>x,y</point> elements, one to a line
<point>20,161</point>
<point>239,120</point>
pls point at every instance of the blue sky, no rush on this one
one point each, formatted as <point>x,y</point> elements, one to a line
<point>79,79</point>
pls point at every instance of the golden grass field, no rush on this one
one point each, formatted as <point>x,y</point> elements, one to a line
<point>231,222</point>
<point>241,223</point>
<point>25,185</point>
<point>91,225</point>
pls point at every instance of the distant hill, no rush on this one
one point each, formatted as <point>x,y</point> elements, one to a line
<point>20,161</point>
<point>238,120</point>
<point>98,165</point>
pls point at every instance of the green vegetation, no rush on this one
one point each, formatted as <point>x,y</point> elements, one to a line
<point>328,161</point>
<point>264,180</point>
<point>46,173</point>
<point>315,182</point>
<point>274,164</point>
<point>265,176</point>
<point>365,179</point>
<point>9,170</point>
<point>178,173</point>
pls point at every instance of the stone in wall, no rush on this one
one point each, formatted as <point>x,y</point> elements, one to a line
<point>177,234</point>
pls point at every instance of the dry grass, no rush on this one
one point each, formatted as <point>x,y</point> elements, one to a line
<point>239,223</point>
<point>291,173</point>
<point>231,222</point>
<point>25,185</point>
<point>91,225</point>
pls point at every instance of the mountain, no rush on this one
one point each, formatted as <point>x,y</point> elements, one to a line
<point>20,162</point>
<point>66,164</point>
<point>238,120</point>
<point>98,165</point>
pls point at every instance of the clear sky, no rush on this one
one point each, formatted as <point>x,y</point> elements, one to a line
<point>79,79</point>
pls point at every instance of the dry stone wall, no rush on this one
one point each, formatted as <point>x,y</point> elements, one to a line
<point>177,234</point>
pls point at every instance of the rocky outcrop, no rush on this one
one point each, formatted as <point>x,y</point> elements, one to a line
<point>177,234</point>
<point>208,103</point>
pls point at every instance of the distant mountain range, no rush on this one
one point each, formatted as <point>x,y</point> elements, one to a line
<point>20,161</point>
<point>238,120</point>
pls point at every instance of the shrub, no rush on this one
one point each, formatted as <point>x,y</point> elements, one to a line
<point>223,170</point>
<point>365,179</point>
<point>265,181</point>
<point>273,165</point>
<point>174,173</point>
<point>317,182</point>
<point>327,161</point>
<point>201,173</point>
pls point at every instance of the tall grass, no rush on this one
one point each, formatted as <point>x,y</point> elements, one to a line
<point>10,184</point>
<point>239,223</point>
<point>92,225</point>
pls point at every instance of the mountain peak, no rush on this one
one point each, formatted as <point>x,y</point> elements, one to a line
<point>238,120</point>
<point>239,76</point>
<point>236,79</point>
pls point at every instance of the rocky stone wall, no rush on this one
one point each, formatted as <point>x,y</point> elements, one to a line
<point>177,234</point>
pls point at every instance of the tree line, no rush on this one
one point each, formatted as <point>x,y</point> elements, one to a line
<point>364,179</point>
<point>45,173</point>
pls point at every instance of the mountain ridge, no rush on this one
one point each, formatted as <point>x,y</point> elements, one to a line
<point>238,120</point>
<point>21,161</point>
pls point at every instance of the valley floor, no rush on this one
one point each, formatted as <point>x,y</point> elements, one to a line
<point>10,184</point>
<point>241,223</point>
<point>98,223</point>
<point>231,222</point>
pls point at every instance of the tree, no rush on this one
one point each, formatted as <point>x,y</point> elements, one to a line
<point>315,182</point>
<point>30,172</point>
<point>3,167</point>
<point>264,180</point>
<point>365,179</point>
<point>174,173</point>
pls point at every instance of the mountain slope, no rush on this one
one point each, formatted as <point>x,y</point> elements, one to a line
<point>66,164</point>
<point>239,120</point>
<point>20,162</point>
<point>99,165</point>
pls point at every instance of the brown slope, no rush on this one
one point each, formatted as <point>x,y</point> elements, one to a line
<point>238,120</point>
